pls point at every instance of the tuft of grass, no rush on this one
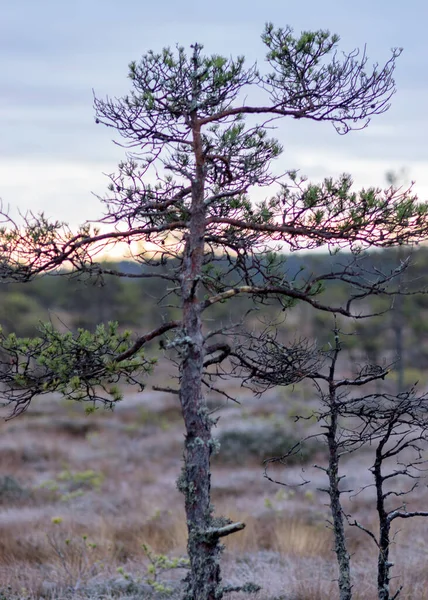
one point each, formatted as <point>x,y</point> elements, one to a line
<point>73,484</point>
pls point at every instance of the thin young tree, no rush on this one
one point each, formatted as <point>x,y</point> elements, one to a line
<point>396,427</point>
<point>197,148</point>
<point>263,362</point>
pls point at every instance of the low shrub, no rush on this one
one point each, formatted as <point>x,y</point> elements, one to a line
<point>258,442</point>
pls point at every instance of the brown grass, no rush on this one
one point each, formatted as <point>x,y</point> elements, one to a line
<point>279,533</point>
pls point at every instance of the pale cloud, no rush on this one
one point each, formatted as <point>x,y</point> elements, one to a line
<point>62,190</point>
<point>53,54</point>
<point>364,172</point>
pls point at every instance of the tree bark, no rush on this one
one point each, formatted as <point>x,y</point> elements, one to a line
<point>384,566</point>
<point>204,580</point>
<point>344,580</point>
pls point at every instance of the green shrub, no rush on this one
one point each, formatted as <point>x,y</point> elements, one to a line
<point>11,491</point>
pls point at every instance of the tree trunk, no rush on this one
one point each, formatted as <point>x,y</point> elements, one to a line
<point>384,566</point>
<point>383,562</point>
<point>344,580</point>
<point>398,328</point>
<point>204,581</point>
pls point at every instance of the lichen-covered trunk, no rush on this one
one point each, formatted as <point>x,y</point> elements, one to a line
<point>383,566</point>
<point>204,581</point>
<point>342,554</point>
<point>204,578</point>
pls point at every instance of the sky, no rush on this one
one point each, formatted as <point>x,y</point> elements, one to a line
<point>53,54</point>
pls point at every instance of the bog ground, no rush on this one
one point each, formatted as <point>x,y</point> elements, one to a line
<point>81,495</point>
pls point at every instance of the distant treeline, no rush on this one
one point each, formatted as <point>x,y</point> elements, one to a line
<point>142,303</point>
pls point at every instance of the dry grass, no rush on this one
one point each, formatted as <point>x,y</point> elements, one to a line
<point>95,489</point>
<point>278,533</point>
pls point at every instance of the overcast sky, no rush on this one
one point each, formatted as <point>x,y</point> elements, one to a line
<point>52,54</point>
